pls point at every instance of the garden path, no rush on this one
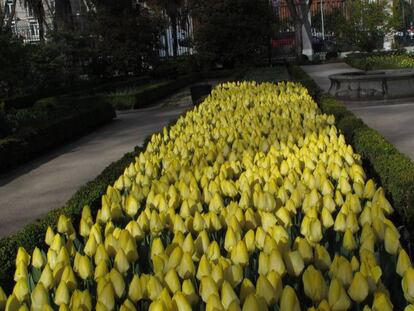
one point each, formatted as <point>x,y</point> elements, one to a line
<point>48,181</point>
<point>394,120</point>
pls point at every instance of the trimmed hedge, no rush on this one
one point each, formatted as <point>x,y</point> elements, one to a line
<point>33,140</point>
<point>85,89</point>
<point>394,170</point>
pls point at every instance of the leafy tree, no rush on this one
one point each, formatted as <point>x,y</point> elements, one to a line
<point>231,31</point>
<point>366,25</point>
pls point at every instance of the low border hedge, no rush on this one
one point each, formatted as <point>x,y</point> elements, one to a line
<point>394,170</point>
<point>28,142</point>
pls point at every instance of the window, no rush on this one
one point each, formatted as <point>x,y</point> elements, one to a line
<point>9,6</point>
<point>33,30</point>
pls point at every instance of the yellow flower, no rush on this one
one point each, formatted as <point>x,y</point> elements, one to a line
<point>39,298</point>
<point>233,274</point>
<point>391,241</point>
<point>121,262</point>
<point>349,242</point>
<point>289,301</point>
<point>186,267</point>
<point>251,303</point>
<point>265,290</point>
<point>107,296</point>
<point>118,282</point>
<point>214,304</point>
<point>327,220</point>
<point>22,256</point>
<point>381,302</point>
<point>208,287</point>
<point>172,281</point>
<point>358,290</point>
<point>84,267</point>
<point>62,295</point>
<point>3,299</point>
<point>228,296</point>
<point>131,205</point>
<point>154,288</point>
<point>12,303</point>
<point>246,289</point>
<point>135,290</point>
<point>68,276</point>
<point>304,249</point>
<point>342,270</point>
<point>180,302</point>
<point>407,284</point>
<point>314,284</point>
<point>21,290</point>
<point>189,291</point>
<point>239,254</point>
<point>204,268</point>
<point>37,259</point>
<point>337,297</point>
<point>294,263</point>
<point>403,262</point>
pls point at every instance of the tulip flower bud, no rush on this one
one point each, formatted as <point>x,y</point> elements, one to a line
<point>107,296</point>
<point>84,267</point>
<point>180,302</point>
<point>62,295</point>
<point>174,259</point>
<point>338,299</point>
<point>358,290</point>
<point>135,290</point>
<point>228,296</point>
<point>189,292</point>
<point>289,301</point>
<point>214,304</point>
<point>154,288</point>
<point>39,297</point>
<point>391,241</point>
<point>294,263</point>
<point>12,303</point>
<point>49,236</point>
<point>403,262</point>
<point>121,262</point>
<point>186,267</point>
<point>314,284</point>
<point>382,302</point>
<point>37,259</point>
<point>251,303</point>
<point>21,290</point>
<point>204,268</point>
<point>239,254</point>
<point>407,284</point>
<point>208,287</point>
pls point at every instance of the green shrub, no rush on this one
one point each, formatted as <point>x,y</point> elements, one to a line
<point>393,170</point>
<point>35,137</point>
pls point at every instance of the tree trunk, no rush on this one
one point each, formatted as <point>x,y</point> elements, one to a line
<point>166,46</point>
<point>63,15</point>
<point>173,19</point>
<point>41,20</point>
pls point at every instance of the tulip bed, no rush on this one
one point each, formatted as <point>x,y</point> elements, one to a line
<point>251,201</point>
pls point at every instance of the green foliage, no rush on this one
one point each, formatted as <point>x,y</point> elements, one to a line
<point>395,60</point>
<point>392,169</point>
<point>366,25</point>
<point>47,124</point>
<point>231,31</point>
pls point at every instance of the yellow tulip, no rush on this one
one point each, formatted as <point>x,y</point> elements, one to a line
<point>246,289</point>
<point>21,271</point>
<point>135,290</point>
<point>84,267</point>
<point>118,282</point>
<point>349,242</point>
<point>21,290</point>
<point>391,241</point>
<point>314,284</point>
<point>358,290</point>
<point>37,259</point>
<point>165,298</point>
<point>189,292</point>
<point>12,303</point>
<point>342,270</point>
<point>403,262</point>
<point>294,263</point>
<point>305,250</point>
<point>381,302</point>
<point>265,290</point>
<point>107,296</point>
<point>154,288</point>
<point>3,299</point>
<point>172,281</point>
<point>208,287</point>
<point>180,302</point>
<point>251,303</point>
<point>214,304</point>
<point>121,262</point>
<point>239,254</point>
<point>407,284</point>
<point>62,295</point>
<point>186,267</point>
<point>39,298</point>
<point>289,301</point>
<point>228,296</point>
<point>233,274</point>
<point>337,297</point>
